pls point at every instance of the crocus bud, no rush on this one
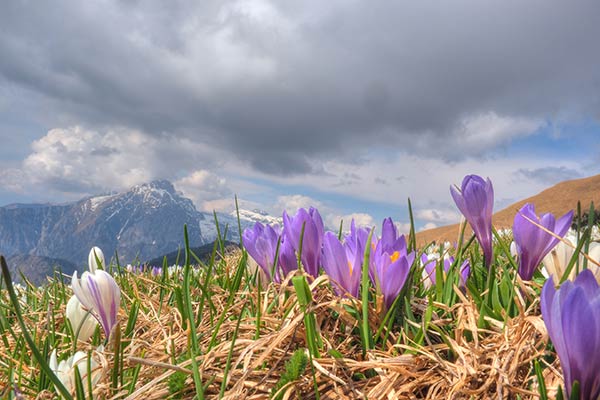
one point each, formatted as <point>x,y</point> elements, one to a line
<point>96,255</point>
<point>260,242</point>
<point>311,237</point>
<point>513,250</point>
<point>390,241</point>
<point>429,264</point>
<point>81,320</point>
<point>429,269</point>
<point>100,294</point>
<point>475,200</point>
<point>342,264</point>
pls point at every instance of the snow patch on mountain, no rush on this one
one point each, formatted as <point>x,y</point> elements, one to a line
<point>228,223</point>
<point>258,216</point>
<point>98,201</point>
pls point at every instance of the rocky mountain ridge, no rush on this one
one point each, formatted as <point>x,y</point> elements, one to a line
<point>142,223</point>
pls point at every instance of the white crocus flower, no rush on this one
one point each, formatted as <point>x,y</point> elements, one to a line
<point>557,261</point>
<point>513,250</point>
<point>98,292</point>
<point>65,370</point>
<point>594,253</point>
<point>595,233</point>
<point>80,319</point>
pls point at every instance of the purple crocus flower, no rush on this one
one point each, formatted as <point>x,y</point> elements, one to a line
<point>465,272</point>
<point>355,240</point>
<point>99,293</point>
<point>572,318</point>
<point>389,243</point>
<point>475,200</point>
<point>312,241</point>
<point>261,243</point>
<point>429,265</point>
<point>287,262</point>
<point>343,264</point>
<point>391,271</point>
<point>532,242</point>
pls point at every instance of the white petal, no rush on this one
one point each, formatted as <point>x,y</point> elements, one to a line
<point>80,319</point>
<point>96,253</point>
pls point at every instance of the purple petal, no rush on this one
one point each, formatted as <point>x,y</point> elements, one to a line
<point>393,279</point>
<point>475,201</point>
<point>99,293</point>
<point>311,224</point>
<point>572,318</point>
<point>388,232</point>
<point>533,242</point>
<point>343,272</point>
<point>582,339</point>
<point>287,260</point>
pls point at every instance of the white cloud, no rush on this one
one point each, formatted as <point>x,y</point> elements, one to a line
<point>207,190</point>
<point>426,181</point>
<point>480,132</point>
<point>429,225</point>
<point>12,179</point>
<point>360,219</point>
<point>75,159</point>
<point>472,135</point>
<point>403,228</point>
<point>330,214</point>
<point>445,216</point>
<point>225,205</point>
<point>291,203</point>
<point>78,161</point>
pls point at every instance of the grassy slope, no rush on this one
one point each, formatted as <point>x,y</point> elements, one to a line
<point>558,200</point>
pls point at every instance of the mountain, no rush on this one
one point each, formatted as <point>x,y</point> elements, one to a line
<point>557,200</point>
<point>147,220</point>
<point>37,268</point>
<point>144,222</point>
<point>204,253</point>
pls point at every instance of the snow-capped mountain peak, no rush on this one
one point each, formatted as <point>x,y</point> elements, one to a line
<point>257,215</point>
<point>145,221</point>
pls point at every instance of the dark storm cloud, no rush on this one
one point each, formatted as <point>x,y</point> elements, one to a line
<point>281,85</point>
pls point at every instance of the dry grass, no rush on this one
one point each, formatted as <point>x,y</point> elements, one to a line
<point>470,363</point>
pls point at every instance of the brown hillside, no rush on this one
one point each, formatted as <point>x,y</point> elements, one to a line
<point>558,200</point>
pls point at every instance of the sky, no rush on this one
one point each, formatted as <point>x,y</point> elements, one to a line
<point>350,106</point>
